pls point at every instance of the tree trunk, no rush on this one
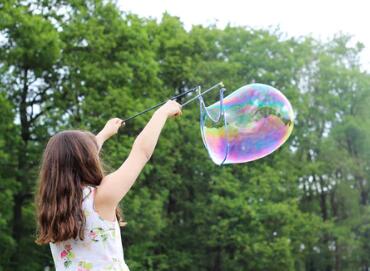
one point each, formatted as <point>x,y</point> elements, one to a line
<point>323,207</point>
<point>17,217</point>
<point>22,170</point>
<point>364,193</point>
<point>217,262</point>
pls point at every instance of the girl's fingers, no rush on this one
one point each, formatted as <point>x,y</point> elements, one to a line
<point>117,121</point>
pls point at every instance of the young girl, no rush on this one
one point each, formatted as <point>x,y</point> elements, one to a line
<point>77,206</point>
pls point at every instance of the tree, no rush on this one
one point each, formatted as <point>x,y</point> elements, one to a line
<point>75,64</point>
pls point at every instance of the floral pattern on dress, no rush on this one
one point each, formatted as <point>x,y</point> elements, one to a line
<point>67,255</point>
<point>84,266</point>
<point>100,250</point>
<point>100,234</point>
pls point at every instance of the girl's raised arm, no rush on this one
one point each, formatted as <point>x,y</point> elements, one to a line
<point>110,129</point>
<point>115,185</point>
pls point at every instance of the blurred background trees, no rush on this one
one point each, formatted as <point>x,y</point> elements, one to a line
<point>75,64</point>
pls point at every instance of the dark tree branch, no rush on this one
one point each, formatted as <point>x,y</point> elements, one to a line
<point>42,112</point>
<point>39,94</point>
<point>23,109</point>
<point>31,82</point>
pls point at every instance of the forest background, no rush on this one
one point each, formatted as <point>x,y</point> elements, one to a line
<point>75,64</point>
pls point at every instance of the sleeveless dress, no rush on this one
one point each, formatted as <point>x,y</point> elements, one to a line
<point>101,249</point>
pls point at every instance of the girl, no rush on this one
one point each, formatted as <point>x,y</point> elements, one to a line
<point>77,206</point>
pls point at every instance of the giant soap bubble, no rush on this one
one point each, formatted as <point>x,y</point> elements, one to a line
<point>248,124</point>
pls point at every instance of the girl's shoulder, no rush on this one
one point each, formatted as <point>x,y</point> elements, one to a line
<point>89,207</point>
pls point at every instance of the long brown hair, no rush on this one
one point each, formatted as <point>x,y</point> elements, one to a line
<point>70,161</point>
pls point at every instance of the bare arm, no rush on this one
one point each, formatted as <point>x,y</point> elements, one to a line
<point>110,129</point>
<point>100,139</point>
<point>115,185</point>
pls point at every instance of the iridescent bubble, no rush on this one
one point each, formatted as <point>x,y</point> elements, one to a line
<point>248,124</point>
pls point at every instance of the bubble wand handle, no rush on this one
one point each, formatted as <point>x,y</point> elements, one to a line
<point>143,112</point>
<point>159,104</point>
<point>173,98</point>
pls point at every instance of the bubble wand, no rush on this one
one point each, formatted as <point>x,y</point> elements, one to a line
<point>175,97</point>
<point>248,124</point>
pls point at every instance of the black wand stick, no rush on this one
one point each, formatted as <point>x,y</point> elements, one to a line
<point>173,98</point>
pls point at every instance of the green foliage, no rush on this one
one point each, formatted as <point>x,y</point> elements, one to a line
<point>75,64</point>
<point>7,184</point>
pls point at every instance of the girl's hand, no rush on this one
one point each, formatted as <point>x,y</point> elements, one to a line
<point>111,127</point>
<point>170,109</point>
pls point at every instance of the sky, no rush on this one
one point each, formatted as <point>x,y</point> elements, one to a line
<point>319,18</point>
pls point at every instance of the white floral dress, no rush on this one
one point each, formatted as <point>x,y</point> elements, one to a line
<point>101,248</point>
